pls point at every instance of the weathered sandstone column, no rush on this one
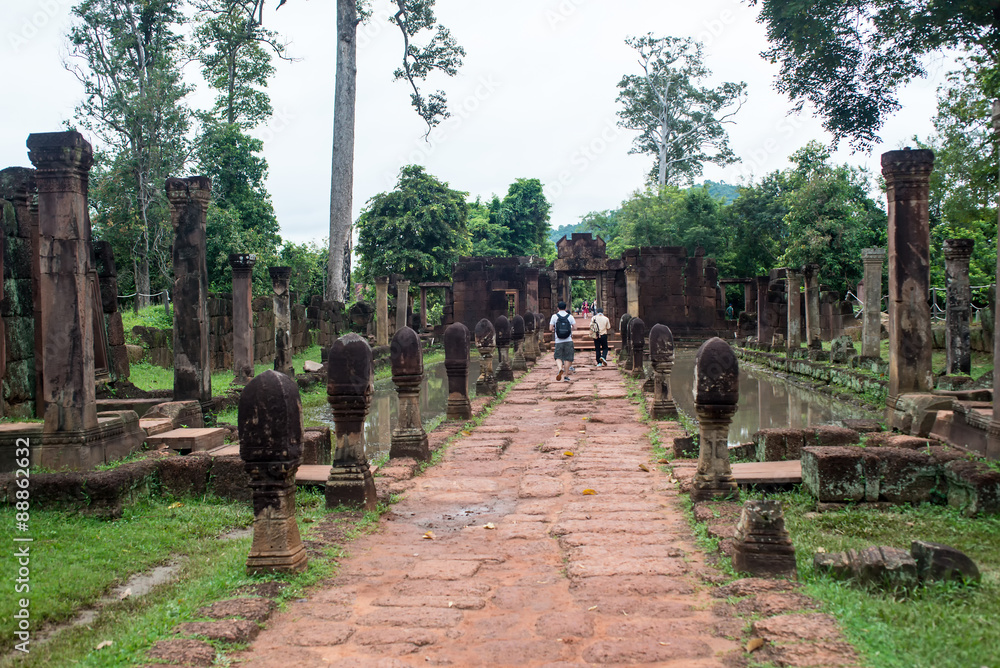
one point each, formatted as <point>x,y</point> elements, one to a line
<point>625,352</point>
<point>716,394</point>
<point>871,327</point>
<point>282,320</point>
<point>503,335</point>
<point>956,334</point>
<point>749,295</point>
<point>794,285</point>
<point>993,437</point>
<point>517,339</point>
<point>456,365</point>
<point>402,304</point>
<point>632,290</point>
<point>486,384</point>
<point>423,308</point>
<point>382,311</point>
<point>763,335</point>
<point>408,438</point>
<point>661,354</point>
<point>349,391</point>
<point>813,339</point>
<point>242,264</point>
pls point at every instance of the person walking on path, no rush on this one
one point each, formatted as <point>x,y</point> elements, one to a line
<point>599,328</point>
<point>586,308</point>
<point>561,325</point>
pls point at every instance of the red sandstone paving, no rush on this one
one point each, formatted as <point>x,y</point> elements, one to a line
<point>562,579</point>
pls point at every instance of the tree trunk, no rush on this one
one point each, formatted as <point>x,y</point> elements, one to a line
<point>342,177</point>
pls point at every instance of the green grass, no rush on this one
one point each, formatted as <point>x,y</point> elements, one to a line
<point>151,316</point>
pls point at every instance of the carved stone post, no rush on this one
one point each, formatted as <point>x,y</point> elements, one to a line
<point>486,385</point>
<point>63,161</point>
<point>540,327</point>
<point>993,437</point>
<point>188,211</point>
<point>530,290</point>
<point>242,264</point>
<point>382,311</point>
<point>813,339</point>
<point>637,346</point>
<point>716,394</point>
<point>402,304</point>
<point>517,332</point>
<point>503,330</point>
<point>794,284</point>
<point>956,335</point>
<point>632,289</point>
<point>625,352</point>
<point>749,296</point>
<point>763,335</point>
<point>423,308</point>
<point>871,326</point>
<point>907,179</point>
<point>456,365</point>
<point>661,354</point>
<point>408,438</point>
<point>762,546</point>
<point>282,320</point>
<point>531,353</point>
<point>270,424</point>
<point>349,391</point>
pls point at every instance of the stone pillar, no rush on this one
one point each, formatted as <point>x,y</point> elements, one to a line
<point>794,284</point>
<point>517,333</point>
<point>749,296</point>
<point>762,546</point>
<point>502,327</point>
<point>486,385</point>
<point>189,210</point>
<point>637,346</point>
<point>810,273</point>
<point>408,438</point>
<point>540,326</point>
<point>282,320</point>
<point>956,335</point>
<point>242,265</point>
<point>763,337</point>
<point>661,354</point>
<point>531,353</point>
<point>993,437</point>
<point>423,308</point>
<point>531,290</point>
<point>349,391</point>
<point>716,394</point>
<point>624,353</point>
<point>402,304</point>
<point>871,332</point>
<point>270,427</point>
<point>382,311</point>
<point>456,365</point>
<point>63,161</point>
<point>632,290</point>
<point>907,176</point>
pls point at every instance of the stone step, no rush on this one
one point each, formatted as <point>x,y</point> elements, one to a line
<point>189,440</point>
<point>154,426</point>
<point>768,473</point>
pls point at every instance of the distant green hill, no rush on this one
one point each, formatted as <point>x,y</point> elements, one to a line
<point>566,230</point>
<point>722,190</point>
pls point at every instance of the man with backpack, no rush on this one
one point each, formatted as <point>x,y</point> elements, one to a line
<point>599,328</point>
<point>561,325</point>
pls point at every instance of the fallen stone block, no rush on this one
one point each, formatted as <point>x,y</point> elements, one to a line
<point>775,445</point>
<point>906,476</point>
<point>837,474</point>
<point>829,435</point>
<point>879,566</point>
<point>943,563</point>
<point>973,487</point>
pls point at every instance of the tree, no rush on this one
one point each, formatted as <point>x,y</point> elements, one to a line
<point>680,123</point>
<point>487,232</point>
<point>442,53</point>
<point>849,59</point>
<point>526,212</point>
<point>126,53</point>
<point>417,230</point>
<point>756,226</point>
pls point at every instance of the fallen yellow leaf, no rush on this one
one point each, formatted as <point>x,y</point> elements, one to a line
<point>583,431</point>
<point>429,535</point>
<point>568,453</point>
<point>490,525</point>
<point>175,504</point>
<point>307,520</point>
<point>755,644</point>
<point>466,433</point>
<point>103,644</point>
<point>663,461</point>
<point>589,492</point>
<point>644,467</point>
<point>593,607</point>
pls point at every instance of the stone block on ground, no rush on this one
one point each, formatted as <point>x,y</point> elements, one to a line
<point>973,487</point>
<point>836,474</point>
<point>943,563</point>
<point>879,566</point>
<point>184,475</point>
<point>685,448</point>
<point>184,652</point>
<point>829,435</point>
<point>189,440</point>
<point>227,630</point>
<point>774,445</point>
<point>906,476</point>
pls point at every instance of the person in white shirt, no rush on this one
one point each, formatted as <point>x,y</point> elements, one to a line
<point>561,325</point>
<point>601,342</point>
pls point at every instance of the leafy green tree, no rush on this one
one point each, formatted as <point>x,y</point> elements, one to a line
<point>417,230</point>
<point>849,59</point>
<point>679,121</point>
<point>526,215</point>
<point>756,227</point>
<point>308,263</point>
<point>487,231</point>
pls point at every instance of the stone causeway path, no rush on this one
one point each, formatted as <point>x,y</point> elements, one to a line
<point>523,569</point>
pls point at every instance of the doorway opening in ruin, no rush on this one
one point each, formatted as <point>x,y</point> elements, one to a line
<point>513,308</point>
<point>582,288</point>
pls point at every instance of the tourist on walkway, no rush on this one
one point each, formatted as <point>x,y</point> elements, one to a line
<point>586,308</point>
<point>561,325</point>
<point>600,326</point>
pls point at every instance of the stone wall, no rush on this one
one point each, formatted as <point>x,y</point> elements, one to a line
<point>481,284</point>
<point>17,307</point>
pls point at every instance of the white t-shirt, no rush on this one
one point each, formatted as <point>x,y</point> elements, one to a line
<point>552,325</point>
<point>603,323</point>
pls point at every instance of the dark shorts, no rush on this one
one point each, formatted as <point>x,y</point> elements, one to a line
<point>564,351</point>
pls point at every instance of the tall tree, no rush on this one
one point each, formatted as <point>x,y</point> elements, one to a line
<point>527,217</point>
<point>679,121</point>
<point>126,53</point>
<point>850,58</point>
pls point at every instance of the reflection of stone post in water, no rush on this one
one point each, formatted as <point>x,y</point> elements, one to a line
<point>242,264</point>
<point>637,346</point>
<point>907,179</point>
<point>456,365</point>
<point>349,391</point>
<point>270,425</point>
<point>408,438</point>
<point>382,311</point>
<point>530,343</point>
<point>814,341</point>
<point>502,327</point>
<point>956,334</point>
<point>716,394</point>
<point>762,546</point>
<point>188,211</point>
<point>517,338</point>
<point>794,285</point>
<point>871,327</point>
<point>661,354</point>
<point>282,320</point>
<point>625,352</point>
<point>486,385</point>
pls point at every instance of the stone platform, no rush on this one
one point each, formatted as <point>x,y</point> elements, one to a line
<point>117,435</point>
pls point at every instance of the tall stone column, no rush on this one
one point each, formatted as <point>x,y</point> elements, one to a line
<point>456,365</point>
<point>813,340</point>
<point>408,438</point>
<point>282,320</point>
<point>503,331</point>
<point>794,284</point>
<point>531,290</point>
<point>188,211</point>
<point>871,326</point>
<point>907,176</point>
<point>541,324</point>
<point>63,161</point>
<point>402,304</point>
<point>517,333</point>
<point>486,385</point>
<point>350,377</point>
<point>423,307</point>
<point>382,311</point>
<point>749,295</point>
<point>661,354</point>
<point>763,335</point>
<point>956,334</point>
<point>270,427</point>
<point>993,437</point>
<point>716,395</point>
<point>242,264</point>
<point>632,290</point>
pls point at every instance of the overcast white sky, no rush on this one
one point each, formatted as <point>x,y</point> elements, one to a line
<point>535,99</point>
